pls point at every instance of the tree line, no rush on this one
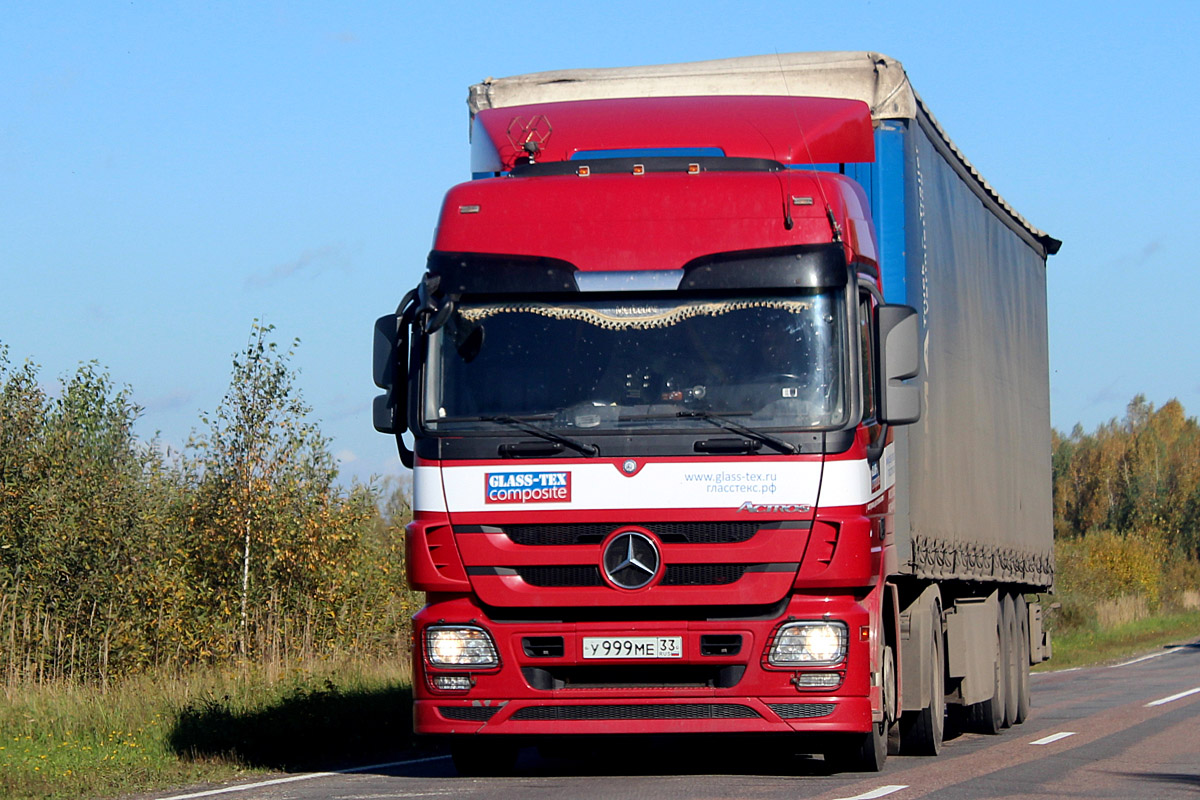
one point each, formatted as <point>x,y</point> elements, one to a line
<point>1127,509</point>
<point>117,556</point>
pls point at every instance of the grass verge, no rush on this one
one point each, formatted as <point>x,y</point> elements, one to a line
<point>1090,645</point>
<point>66,741</point>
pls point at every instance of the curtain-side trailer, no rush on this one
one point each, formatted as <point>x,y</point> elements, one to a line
<point>727,384</point>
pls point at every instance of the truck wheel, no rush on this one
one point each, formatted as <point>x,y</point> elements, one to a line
<point>486,756</point>
<point>891,701</point>
<point>1023,697</point>
<point>922,731</point>
<point>1010,657</point>
<point>988,716</point>
<point>869,751</point>
<point>864,753</point>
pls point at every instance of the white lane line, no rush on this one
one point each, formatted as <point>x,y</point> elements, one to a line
<point>1138,660</point>
<point>1144,658</point>
<point>245,787</point>
<point>248,786</point>
<point>882,791</point>
<point>1173,697</point>
<point>1054,737</point>
<point>1050,673</point>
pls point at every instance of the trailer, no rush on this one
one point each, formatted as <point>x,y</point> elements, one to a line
<point>727,385</point>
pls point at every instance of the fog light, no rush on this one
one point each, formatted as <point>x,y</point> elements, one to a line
<point>812,642</point>
<point>460,646</point>
<point>818,680</point>
<point>452,683</point>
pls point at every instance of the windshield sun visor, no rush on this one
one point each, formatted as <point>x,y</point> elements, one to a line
<point>819,266</point>
<point>809,266</point>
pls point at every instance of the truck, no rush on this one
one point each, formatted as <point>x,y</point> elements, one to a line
<point>727,390</point>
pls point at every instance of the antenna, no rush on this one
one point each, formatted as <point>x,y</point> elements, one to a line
<point>528,137</point>
<point>787,218</point>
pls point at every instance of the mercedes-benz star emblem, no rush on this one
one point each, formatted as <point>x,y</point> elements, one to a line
<point>631,560</point>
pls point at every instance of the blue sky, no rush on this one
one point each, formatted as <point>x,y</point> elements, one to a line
<point>171,171</point>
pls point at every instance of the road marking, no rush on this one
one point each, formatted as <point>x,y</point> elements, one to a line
<point>245,787</point>
<point>1052,672</point>
<point>882,791</point>
<point>1173,698</point>
<point>1054,737</point>
<point>1144,658</point>
<point>1167,652</point>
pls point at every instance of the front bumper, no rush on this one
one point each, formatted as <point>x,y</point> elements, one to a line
<point>535,694</point>
<point>649,715</point>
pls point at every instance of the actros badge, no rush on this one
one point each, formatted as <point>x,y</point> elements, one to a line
<point>775,508</point>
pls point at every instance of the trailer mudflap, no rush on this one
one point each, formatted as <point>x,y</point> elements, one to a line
<point>1039,637</point>
<point>971,646</point>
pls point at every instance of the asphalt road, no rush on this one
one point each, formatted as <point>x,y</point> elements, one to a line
<point>1126,731</point>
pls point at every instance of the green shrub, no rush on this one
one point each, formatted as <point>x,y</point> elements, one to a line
<point>116,559</point>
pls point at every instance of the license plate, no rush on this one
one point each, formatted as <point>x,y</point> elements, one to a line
<point>633,647</point>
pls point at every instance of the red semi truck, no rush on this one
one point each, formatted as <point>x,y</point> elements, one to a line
<point>727,386</point>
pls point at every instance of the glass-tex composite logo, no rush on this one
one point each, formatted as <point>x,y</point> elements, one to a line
<point>527,487</point>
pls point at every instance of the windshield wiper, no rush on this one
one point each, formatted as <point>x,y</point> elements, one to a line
<point>721,420</point>
<point>524,424</point>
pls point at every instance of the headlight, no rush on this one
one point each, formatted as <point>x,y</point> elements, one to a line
<point>808,643</point>
<point>460,646</point>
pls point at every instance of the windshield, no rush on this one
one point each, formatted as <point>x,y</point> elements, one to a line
<point>617,364</point>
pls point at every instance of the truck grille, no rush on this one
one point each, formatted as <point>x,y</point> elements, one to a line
<point>801,710</point>
<point>559,576</point>
<point>557,677</point>
<point>551,535</point>
<point>660,711</point>
<point>703,574</point>
<point>468,713</point>
<point>720,644</point>
<point>543,646</point>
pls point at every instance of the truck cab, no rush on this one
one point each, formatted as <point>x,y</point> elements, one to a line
<point>651,473</point>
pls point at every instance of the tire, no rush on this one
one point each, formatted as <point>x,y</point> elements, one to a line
<point>988,716</point>
<point>1010,658</point>
<point>868,752</point>
<point>486,756</point>
<point>922,731</point>
<point>891,701</point>
<point>1023,691</point>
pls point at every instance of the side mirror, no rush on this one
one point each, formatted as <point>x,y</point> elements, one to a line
<point>389,411</point>
<point>896,330</point>
<point>384,415</point>
<point>388,335</point>
<point>390,368</point>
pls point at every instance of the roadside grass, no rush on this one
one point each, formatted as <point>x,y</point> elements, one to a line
<point>70,741</point>
<point>1093,644</point>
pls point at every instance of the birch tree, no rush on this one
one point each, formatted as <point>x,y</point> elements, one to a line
<point>257,458</point>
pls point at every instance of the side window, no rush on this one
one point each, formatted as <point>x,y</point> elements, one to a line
<point>867,355</point>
